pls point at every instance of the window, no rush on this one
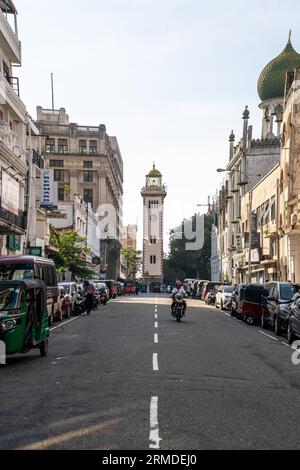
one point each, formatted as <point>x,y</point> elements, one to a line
<point>87,164</point>
<point>273,209</point>
<point>62,146</point>
<point>88,176</point>
<point>61,194</point>
<point>88,196</point>
<point>17,272</point>
<point>50,146</point>
<point>153,240</point>
<point>266,213</point>
<point>153,205</point>
<point>93,147</point>
<point>46,275</point>
<point>287,291</point>
<point>56,163</point>
<point>6,72</point>
<point>152,259</point>
<point>59,175</point>
<point>82,147</point>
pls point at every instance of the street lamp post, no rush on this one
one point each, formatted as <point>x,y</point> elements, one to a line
<point>223,170</point>
<point>216,212</point>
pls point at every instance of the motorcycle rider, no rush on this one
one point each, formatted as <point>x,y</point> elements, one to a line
<point>178,289</point>
<point>89,290</point>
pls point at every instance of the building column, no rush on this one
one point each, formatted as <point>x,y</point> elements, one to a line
<point>74,182</point>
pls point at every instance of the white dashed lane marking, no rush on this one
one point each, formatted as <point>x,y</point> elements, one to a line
<point>154,428</point>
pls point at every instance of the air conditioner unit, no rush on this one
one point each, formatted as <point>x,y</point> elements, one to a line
<point>294,219</point>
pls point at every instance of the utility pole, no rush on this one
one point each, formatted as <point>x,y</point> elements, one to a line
<point>52,91</point>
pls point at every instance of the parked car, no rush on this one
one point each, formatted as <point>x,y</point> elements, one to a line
<point>64,310</point>
<point>223,297</point>
<point>293,323</point>
<point>277,305</point>
<point>208,287</point>
<point>248,302</point>
<point>17,268</point>
<point>71,291</point>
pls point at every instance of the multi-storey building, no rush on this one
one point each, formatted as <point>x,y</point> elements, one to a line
<point>13,165</point>
<point>86,162</point>
<point>129,242</point>
<point>250,162</point>
<point>289,183</point>
<point>129,237</point>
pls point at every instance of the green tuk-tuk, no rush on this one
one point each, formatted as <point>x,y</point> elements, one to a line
<point>24,316</point>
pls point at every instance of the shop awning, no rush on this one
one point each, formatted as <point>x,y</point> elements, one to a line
<point>268,262</point>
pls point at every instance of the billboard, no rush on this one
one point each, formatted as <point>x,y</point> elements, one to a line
<point>47,188</point>
<point>10,194</point>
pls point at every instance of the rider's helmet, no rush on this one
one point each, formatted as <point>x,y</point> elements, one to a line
<point>178,284</point>
<point>86,283</point>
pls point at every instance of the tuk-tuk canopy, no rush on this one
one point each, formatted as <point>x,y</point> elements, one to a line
<point>24,284</point>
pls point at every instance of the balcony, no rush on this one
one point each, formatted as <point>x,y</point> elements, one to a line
<point>10,149</point>
<point>11,223</point>
<point>38,160</point>
<point>10,40</point>
<point>9,90</point>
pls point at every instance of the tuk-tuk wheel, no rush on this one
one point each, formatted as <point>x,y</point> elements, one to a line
<point>44,347</point>
<point>249,320</point>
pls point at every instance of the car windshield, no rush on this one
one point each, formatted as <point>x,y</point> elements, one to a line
<point>16,272</point>
<point>9,298</point>
<point>287,291</point>
<point>66,287</point>
<point>228,290</point>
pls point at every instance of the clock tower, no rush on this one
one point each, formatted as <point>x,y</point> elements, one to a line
<point>153,194</point>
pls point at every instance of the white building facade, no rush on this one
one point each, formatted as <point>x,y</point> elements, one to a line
<point>13,165</point>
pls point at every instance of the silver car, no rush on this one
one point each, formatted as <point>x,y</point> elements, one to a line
<point>223,298</point>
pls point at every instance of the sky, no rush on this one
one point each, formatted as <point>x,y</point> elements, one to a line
<point>169,78</point>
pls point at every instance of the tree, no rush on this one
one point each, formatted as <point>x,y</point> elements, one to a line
<point>71,253</point>
<point>133,260</point>
<point>182,264</point>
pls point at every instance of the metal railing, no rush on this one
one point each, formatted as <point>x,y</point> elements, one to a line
<point>14,82</point>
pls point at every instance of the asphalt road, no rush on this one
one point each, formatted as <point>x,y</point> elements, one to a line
<point>130,377</point>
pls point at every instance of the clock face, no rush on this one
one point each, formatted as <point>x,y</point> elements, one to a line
<point>153,218</point>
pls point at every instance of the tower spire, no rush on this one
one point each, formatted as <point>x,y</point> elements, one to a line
<point>290,36</point>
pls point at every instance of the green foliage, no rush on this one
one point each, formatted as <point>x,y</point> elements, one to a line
<point>133,260</point>
<point>71,254</point>
<point>182,264</point>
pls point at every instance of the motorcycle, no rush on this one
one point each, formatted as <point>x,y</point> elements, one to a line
<point>179,307</point>
<point>103,298</point>
<point>96,300</point>
<point>79,307</point>
<point>211,298</point>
